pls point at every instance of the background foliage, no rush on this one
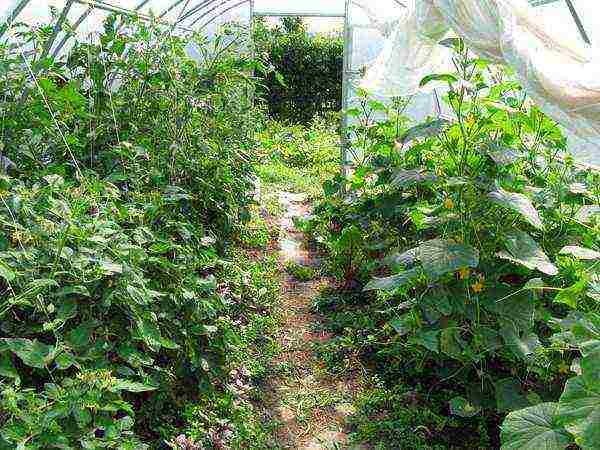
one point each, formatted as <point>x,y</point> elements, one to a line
<point>307,76</point>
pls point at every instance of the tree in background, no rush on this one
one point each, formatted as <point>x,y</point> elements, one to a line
<point>306,79</point>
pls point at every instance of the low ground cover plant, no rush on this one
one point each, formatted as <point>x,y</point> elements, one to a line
<point>468,248</point>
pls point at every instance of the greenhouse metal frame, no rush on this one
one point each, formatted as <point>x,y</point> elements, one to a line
<point>197,15</point>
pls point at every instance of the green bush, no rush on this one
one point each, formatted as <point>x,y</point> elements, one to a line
<point>133,172</point>
<point>476,237</point>
<point>306,79</point>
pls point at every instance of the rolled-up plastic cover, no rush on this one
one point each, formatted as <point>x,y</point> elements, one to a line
<point>560,73</point>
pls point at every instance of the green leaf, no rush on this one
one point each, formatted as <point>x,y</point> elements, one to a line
<point>461,407</point>
<point>7,369</point>
<point>534,428</point>
<point>427,129</point>
<point>407,258</point>
<point>134,357</point>
<point>407,178</point>
<point>110,268</point>
<point>586,330</point>
<point>522,347</point>
<point>440,257</point>
<point>55,181</point>
<point>393,282</point>
<point>579,407</point>
<point>32,353</point>
<point>446,77</point>
<point>587,213</point>
<point>403,324</point>
<point>131,386</point>
<point>6,272</point>
<point>150,334</point>
<point>452,343</point>
<point>509,396</point>
<point>523,250</point>
<point>571,295</point>
<point>428,339</point>
<point>64,361</point>
<point>580,252</point>
<point>519,203</point>
<point>503,156</point>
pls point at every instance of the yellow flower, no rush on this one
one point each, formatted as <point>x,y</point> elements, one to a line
<point>463,273</point>
<point>479,286</point>
<point>564,369</point>
<point>448,203</point>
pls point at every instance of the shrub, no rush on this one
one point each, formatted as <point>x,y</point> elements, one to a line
<point>133,169</point>
<point>308,70</point>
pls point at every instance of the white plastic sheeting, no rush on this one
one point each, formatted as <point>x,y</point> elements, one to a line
<point>300,7</point>
<point>559,72</point>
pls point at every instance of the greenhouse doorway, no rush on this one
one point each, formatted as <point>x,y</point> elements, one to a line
<point>335,13</point>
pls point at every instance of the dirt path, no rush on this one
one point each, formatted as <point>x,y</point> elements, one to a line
<point>311,407</point>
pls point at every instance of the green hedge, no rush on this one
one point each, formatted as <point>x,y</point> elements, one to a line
<point>306,79</point>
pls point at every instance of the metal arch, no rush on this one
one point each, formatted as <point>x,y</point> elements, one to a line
<point>56,30</point>
<point>12,16</point>
<point>219,14</point>
<point>197,7</point>
<point>76,25</point>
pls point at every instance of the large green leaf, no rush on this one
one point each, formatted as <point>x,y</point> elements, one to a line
<point>579,408</point>
<point>503,156</point>
<point>407,178</point>
<point>446,77</point>
<point>7,369</point>
<point>534,428</point>
<point>522,346</point>
<point>519,203</point>
<point>439,257</point>
<point>587,213</point>
<point>393,282</point>
<point>33,353</point>
<point>523,250</point>
<point>580,252</point>
<point>403,324</point>
<point>428,129</point>
<point>509,396</point>
<point>6,272</point>
<point>131,386</point>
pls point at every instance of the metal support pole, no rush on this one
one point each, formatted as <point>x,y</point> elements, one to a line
<point>578,22</point>
<point>76,25</point>
<point>57,28</point>
<point>345,93</point>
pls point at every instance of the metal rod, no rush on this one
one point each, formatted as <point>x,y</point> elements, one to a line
<point>170,8</point>
<point>206,13</point>
<point>196,8</point>
<point>578,22</point>
<point>126,12</point>
<point>57,28</point>
<point>76,25</point>
<point>345,94</point>
<point>218,15</point>
<point>12,16</point>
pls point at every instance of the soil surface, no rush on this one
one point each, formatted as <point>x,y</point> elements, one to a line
<point>310,406</point>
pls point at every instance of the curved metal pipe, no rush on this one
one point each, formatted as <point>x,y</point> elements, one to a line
<point>219,14</point>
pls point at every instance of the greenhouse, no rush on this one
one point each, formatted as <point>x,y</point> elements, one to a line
<point>282,224</point>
